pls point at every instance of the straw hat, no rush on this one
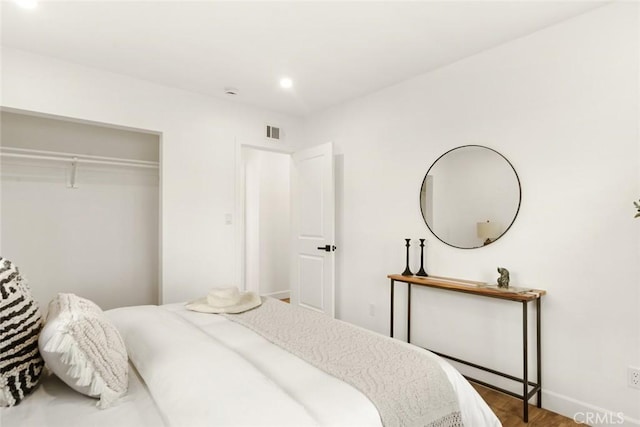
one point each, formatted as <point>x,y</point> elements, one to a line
<point>225,300</point>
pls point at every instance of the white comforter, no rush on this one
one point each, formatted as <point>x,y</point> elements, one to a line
<point>202,369</point>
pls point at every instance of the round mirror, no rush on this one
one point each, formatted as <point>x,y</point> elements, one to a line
<point>470,196</point>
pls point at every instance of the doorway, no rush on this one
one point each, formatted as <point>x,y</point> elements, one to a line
<point>267,229</point>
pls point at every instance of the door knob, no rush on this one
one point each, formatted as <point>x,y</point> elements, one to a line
<point>327,248</point>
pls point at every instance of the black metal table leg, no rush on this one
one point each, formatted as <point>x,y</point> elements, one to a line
<point>408,312</point>
<point>525,364</point>
<point>539,354</point>
<point>391,326</point>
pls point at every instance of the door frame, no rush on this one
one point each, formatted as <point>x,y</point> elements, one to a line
<point>240,188</point>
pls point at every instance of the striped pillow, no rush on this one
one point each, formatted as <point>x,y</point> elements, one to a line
<point>20,324</point>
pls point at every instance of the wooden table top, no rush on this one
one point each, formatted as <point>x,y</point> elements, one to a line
<point>471,287</point>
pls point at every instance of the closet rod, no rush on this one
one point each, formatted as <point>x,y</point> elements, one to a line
<point>62,153</point>
<point>81,160</point>
<point>65,156</point>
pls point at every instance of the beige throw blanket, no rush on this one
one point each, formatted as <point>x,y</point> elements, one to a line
<point>408,388</point>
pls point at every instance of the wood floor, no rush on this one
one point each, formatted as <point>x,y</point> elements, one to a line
<point>509,411</point>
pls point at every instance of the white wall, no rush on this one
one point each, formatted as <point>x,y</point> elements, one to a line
<point>562,106</point>
<point>267,222</point>
<point>198,147</point>
<point>99,240</point>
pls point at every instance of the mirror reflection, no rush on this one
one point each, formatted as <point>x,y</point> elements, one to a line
<point>470,196</point>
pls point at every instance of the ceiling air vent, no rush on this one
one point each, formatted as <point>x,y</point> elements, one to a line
<point>273,132</point>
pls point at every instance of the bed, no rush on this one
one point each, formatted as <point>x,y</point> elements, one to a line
<point>193,369</point>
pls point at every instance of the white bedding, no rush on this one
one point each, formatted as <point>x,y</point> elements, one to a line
<point>237,376</point>
<point>55,404</point>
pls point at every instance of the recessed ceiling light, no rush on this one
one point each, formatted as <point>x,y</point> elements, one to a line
<point>26,4</point>
<point>286,83</point>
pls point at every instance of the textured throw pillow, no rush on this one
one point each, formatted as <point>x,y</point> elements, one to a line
<point>20,324</point>
<point>84,349</point>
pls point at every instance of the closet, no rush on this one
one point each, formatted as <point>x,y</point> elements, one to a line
<point>79,208</point>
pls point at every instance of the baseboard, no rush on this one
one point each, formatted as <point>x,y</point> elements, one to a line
<point>584,413</point>
<point>279,295</point>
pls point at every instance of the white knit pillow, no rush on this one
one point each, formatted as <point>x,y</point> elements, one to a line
<point>84,349</point>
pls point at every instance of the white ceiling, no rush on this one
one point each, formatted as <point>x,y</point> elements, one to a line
<point>334,51</point>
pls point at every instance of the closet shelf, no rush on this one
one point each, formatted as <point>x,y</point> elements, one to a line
<point>74,159</point>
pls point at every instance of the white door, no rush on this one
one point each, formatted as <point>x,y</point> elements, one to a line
<point>313,229</point>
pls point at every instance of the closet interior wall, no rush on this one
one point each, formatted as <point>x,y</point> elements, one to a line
<point>97,238</point>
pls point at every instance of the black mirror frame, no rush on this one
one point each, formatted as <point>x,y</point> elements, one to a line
<point>436,161</point>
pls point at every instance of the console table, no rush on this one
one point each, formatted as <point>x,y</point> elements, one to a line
<point>483,290</point>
